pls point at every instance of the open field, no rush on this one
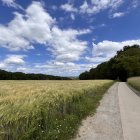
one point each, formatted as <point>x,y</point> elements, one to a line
<point>31,110</point>
<point>134,82</point>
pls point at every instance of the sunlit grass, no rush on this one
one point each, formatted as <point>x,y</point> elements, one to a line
<point>46,110</point>
<point>135,82</point>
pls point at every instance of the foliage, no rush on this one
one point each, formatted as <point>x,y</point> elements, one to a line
<point>46,110</point>
<point>4,75</point>
<point>134,82</point>
<point>125,64</point>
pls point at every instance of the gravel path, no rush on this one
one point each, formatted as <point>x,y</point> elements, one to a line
<point>106,123</point>
<point>130,112</point>
<point>117,117</point>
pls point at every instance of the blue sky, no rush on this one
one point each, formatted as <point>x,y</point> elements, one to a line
<point>65,37</point>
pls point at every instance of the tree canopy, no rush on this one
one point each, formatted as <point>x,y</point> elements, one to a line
<point>126,63</point>
<point>4,75</point>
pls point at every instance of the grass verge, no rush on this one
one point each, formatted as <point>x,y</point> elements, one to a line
<point>134,82</point>
<point>47,111</point>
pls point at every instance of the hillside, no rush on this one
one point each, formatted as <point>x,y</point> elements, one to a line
<point>126,63</point>
<point>4,75</point>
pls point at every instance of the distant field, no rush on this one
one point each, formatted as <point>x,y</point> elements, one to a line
<point>46,110</point>
<point>135,82</point>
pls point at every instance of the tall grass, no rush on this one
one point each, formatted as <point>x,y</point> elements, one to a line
<point>134,82</point>
<point>46,110</point>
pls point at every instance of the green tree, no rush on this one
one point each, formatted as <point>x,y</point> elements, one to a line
<point>126,63</point>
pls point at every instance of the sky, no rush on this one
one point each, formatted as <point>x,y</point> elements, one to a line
<point>65,37</point>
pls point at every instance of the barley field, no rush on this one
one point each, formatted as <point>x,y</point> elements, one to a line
<point>47,110</point>
<point>134,82</point>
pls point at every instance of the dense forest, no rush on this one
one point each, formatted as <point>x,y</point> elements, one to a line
<point>126,63</point>
<point>4,75</point>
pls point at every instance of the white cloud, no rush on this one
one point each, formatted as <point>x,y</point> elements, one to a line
<point>97,59</point>
<point>11,3</point>
<point>68,8</point>
<point>22,69</point>
<point>2,65</point>
<point>98,5</point>
<point>105,50</point>
<point>10,40</point>
<point>102,25</point>
<point>54,7</point>
<point>62,68</point>
<point>55,67</point>
<point>93,6</point>
<point>37,26</point>
<point>72,16</point>
<point>118,14</point>
<point>84,7</point>
<point>71,48</point>
<point>109,48</point>
<point>12,61</point>
<point>135,3</point>
<point>23,30</point>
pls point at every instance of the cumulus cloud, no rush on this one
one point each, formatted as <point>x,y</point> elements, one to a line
<point>66,46</point>
<point>23,30</point>
<point>97,60</point>
<point>2,65</point>
<point>54,67</point>
<point>109,48</point>
<point>37,26</point>
<point>22,69</point>
<point>105,50</point>
<point>63,68</point>
<point>11,3</point>
<point>12,61</point>
<point>118,14</point>
<point>10,40</point>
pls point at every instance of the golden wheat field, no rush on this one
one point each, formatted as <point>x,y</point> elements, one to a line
<point>46,110</point>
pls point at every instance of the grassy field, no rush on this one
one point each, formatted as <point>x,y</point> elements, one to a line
<point>134,82</point>
<point>47,110</point>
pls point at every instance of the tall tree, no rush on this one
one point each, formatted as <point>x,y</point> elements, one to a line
<point>126,63</point>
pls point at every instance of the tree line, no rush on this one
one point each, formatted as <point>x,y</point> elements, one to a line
<point>4,75</point>
<point>126,63</point>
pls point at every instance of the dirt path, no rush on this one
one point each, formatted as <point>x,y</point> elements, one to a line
<point>117,117</point>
